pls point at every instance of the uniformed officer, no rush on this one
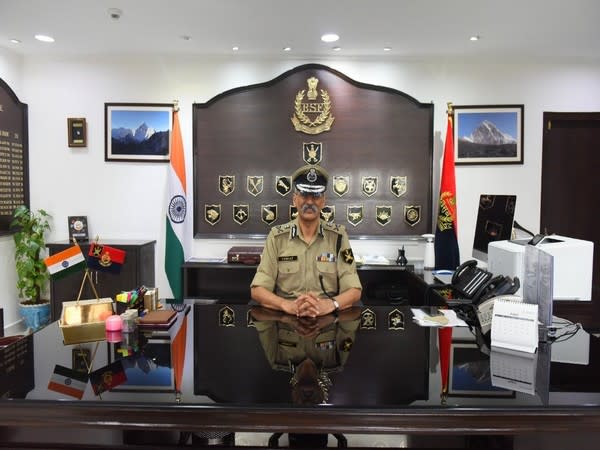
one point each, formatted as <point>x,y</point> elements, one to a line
<point>307,267</point>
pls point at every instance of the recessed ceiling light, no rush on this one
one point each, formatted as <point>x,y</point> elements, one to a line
<point>287,49</point>
<point>474,38</point>
<point>186,37</point>
<point>235,49</point>
<point>387,49</point>
<point>44,38</point>
<point>15,41</point>
<point>336,49</point>
<point>330,37</point>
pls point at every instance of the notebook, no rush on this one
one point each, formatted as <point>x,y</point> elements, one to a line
<point>162,318</point>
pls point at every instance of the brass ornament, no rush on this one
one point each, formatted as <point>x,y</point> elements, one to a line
<point>254,184</point>
<point>212,213</point>
<point>312,117</point>
<point>341,184</point>
<point>241,213</point>
<point>268,213</point>
<point>226,317</point>
<point>395,320</point>
<point>312,152</point>
<point>283,185</point>
<point>354,214</point>
<point>369,185</point>
<point>398,185</point>
<point>293,212</point>
<point>383,214</point>
<point>368,320</point>
<point>328,213</point>
<point>412,214</point>
<point>226,184</point>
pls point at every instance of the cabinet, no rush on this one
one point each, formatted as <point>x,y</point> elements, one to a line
<point>138,270</point>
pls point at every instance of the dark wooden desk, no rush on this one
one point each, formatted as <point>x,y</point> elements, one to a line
<point>389,384</point>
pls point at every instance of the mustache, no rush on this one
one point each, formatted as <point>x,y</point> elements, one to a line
<point>312,208</point>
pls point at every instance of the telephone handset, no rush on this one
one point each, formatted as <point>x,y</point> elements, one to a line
<point>485,310</point>
<point>468,279</point>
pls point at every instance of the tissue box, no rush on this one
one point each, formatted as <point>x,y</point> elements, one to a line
<point>83,320</point>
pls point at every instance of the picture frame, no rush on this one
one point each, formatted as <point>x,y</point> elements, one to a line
<point>138,132</point>
<point>470,374</point>
<point>76,132</point>
<point>78,228</point>
<point>488,134</point>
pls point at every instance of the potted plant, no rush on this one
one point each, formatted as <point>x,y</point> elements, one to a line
<point>32,275</point>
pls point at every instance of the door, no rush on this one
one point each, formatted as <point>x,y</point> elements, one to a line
<point>569,202</point>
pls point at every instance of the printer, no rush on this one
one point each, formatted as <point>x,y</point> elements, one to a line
<point>573,264</point>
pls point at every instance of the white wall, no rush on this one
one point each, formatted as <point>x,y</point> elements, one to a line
<point>126,200</point>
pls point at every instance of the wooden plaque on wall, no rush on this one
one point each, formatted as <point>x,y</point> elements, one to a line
<point>14,160</point>
<point>375,142</point>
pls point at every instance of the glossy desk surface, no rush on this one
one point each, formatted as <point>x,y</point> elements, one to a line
<point>384,372</point>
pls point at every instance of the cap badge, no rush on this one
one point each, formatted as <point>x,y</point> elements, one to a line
<point>312,175</point>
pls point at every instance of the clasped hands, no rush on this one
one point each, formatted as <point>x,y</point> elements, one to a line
<point>309,305</point>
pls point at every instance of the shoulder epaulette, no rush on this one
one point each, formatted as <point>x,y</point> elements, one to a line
<point>281,229</point>
<point>330,226</point>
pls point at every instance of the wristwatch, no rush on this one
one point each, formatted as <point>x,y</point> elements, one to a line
<point>336,305</point>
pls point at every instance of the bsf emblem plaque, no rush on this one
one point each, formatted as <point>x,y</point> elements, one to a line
<point>283,185</point>
<point>383,214</point>
<point>254,184</point>
<point>241,213</point>
<point>328,213</point>
<point>312,152</point>
<point>354,214</point>
<point>369,185</point>
<point>311,114</point>
<point>398,185</point>
<point>226,184</point>
<point>412,214</point>
<point>212,213</point>
<point>268,213</point>
<point>341,185</point>
<point>293,212</point>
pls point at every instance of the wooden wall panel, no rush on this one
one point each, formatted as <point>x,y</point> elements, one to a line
<point>376,132</point>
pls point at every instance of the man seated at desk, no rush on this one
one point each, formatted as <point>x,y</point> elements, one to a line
<point>307,267</point>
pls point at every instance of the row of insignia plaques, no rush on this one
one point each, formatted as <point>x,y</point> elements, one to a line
<point>340,185</point>
<point>368,319</point>
<point>354,213</point>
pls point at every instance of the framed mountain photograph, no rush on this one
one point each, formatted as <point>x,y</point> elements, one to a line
<point>138,131</point>
<point>488,134</point>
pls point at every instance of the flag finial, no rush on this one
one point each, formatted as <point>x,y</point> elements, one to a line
<point>450,110</point>
<point>175,105</point>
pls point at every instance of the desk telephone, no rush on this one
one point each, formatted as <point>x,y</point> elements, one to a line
<point>479,289</point>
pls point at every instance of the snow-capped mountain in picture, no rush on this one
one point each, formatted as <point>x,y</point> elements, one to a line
<point>143,140</point>
<point>487,141</point>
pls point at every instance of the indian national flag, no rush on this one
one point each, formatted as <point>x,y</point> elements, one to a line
<point>177,233</point>
<point>68,381</point>
<point>65,262</point>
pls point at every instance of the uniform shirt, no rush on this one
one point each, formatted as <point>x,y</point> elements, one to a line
<point>291,267</point>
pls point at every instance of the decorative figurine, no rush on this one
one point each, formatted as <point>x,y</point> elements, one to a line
<point>401,260</point>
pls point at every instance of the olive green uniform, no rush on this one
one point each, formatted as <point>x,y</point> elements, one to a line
<point>290,267</point>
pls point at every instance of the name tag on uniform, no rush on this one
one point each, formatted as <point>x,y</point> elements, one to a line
<point>326,257</point>
<point>287,258</point>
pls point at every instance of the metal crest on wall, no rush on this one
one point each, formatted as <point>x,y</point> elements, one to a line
<point>293,212</point>
<point>226,184</point>
<point>395,320</point>
<point>369,185</point>
<point>354,214</point>
<point>328,213</point>
<point>412,214</point>
<point>383,214</point>
<point>254,184</point>
<point>226,317</point>
<point>312,115</point>
<point>241,213</point>
<point>212,213</point>
<point>368,320</point>
<point>268,213</point>
<point>398,185</point>
<point>312,152</point>
<point>341,184</point>
<point>283,185</point>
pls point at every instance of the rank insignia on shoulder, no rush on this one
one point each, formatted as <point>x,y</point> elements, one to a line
<point>348,256</point>
<point>368,320</point>
<point>226,317</point>
<point>395,320</point>
<point>346,345</point>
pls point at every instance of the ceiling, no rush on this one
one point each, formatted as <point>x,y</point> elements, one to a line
<point>530,30</point>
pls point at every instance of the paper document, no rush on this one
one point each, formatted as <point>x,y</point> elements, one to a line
<point>444,318</point>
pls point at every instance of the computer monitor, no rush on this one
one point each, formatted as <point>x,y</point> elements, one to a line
<point>494,222</point>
